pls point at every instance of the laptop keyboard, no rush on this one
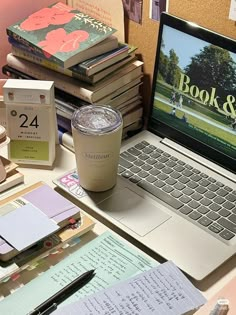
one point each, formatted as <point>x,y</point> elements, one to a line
<point>202,199</point>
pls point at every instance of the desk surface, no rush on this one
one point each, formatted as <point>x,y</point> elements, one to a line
<point>65,161</point>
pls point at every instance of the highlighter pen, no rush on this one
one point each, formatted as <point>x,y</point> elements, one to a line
<point>51,303</point>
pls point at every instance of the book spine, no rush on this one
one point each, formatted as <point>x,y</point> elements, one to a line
<point>69,85</point>
<point>21,42</point>
<point>66,139</point>
<point>23,53</point>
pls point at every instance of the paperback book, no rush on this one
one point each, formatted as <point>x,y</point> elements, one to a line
<point>72,71</point>
<point>61,33</point>
<point>80,89</point>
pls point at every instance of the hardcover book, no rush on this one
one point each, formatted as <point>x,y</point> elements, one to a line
<point>61,33</point>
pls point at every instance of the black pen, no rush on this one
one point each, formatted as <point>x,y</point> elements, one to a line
<point>51,303</point>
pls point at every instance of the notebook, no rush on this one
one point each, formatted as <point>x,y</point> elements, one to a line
<point>176,188</point>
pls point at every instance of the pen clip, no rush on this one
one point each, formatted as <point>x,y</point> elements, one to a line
<point>50,309</point>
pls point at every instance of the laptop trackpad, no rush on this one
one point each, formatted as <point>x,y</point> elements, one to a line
<point>135,212</point>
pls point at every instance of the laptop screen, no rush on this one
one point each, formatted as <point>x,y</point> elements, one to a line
<point>194,90</point>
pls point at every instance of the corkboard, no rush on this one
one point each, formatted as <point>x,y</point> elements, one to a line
<point>212,14</point>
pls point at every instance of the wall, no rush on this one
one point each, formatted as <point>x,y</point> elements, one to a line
<point>10,12</point>
<point>212,14</point>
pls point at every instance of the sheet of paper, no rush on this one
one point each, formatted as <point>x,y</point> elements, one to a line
<point>109,12</point>
<point>232,10</point>
<point>113,259</point>
<point>160,290</point>
<point>25,226</point>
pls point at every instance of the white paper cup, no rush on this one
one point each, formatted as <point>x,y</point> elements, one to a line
<point>97,132</point>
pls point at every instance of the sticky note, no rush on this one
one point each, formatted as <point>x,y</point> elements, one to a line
<point>25,226</point>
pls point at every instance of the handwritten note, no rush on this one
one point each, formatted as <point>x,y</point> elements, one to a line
<point>161,290</point>
<point>113,258</point>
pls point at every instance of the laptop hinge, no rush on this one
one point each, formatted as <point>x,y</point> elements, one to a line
<point>193,156</point>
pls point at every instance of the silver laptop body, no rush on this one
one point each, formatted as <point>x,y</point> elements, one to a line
<point>180,128</point>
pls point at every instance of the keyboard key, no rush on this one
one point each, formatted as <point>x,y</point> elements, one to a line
<point>125,163</point>
<point>171,181</point>
<point>127,174</point>
<point>143,156</point>
<point>138,162</point>
<point>187,173</point>
<point>159,183</point>
<point>175,175</point>
<point>134,151</point>
<point>222,192</point>
<point>159,166</point>
<point>147,150</point>
<point>176,193</point>
<point>227,224</point>
<point>163,159</point>
<point>155,154</point>
<point>227,235</point>
<point>151,179</point>
<point>146,167</point>
<point>170,163</point>
<point>160,194</point>
<point>154,171</point>
<point>215,207</point>
<point>184,179</point>
<point>213,215</point>
<point>232,218</point>
<point>121,169</point>
<point>135,179</point>
<point>231,197</point>
<point>201,190</point>
<point>179,186</point>
<point>203,210</point>
<point>140,146</point>
<point>195,177</point>
<point>127,156</point>
<point>195,215</point>
<point>213,187</point>
<point>185,199</point>
<point>186,210</point>
<point>196,196</point>
<point>168,188</point>
<point>215,227</point>
<point>192,184</point>
<point>193,204</point>
<point>151,161</point>
<point>204,221</point>
<point>210,195</point>
<point>162,176</point>
<point>228,205</point>
<point>143,174</point>
<point>167,170</point>
<point>224,212</point>
<point>206,202</point>
<point>135,169</point>
<point>219,200</point>
<point>187,191</point>
<point>178,168</point>
<point>204,182</point>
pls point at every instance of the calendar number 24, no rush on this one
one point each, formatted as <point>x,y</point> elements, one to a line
<point>26,123</point>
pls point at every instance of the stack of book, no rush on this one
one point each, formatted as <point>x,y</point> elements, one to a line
<point>84,59</point>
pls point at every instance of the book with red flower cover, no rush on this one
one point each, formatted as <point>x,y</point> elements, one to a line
<point>62,34</point>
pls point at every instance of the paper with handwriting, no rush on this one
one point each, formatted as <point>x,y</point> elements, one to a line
<point>160,290</point>
<point>113,258</point>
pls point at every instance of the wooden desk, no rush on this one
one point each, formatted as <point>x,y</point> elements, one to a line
<point>65,161</point>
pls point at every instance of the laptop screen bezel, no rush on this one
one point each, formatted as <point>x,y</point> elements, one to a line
<point>166,131</point>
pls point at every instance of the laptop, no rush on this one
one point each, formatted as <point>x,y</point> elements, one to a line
<point>176,187</point>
